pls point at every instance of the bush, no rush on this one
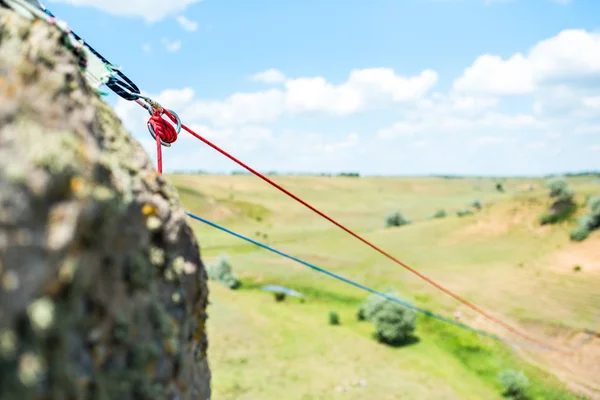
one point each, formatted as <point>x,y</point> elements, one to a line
<point>476,204</point>
<point>464,213</point>
<point>499,187</point>
<point>515,384</point>
<point>440,214</point>
<point>563,206</point>
<point>279,297</point>
<point>396,219</point>
<point>589,222</point>
<point>220,271</point>
<point>334,318</point>
<point>594,205</point>
<point>577,268</point>
<point>559,188</point>
<point>579,234</point>
<point>394,324</point>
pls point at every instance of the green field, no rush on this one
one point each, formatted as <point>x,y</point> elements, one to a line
<point>500,258</point>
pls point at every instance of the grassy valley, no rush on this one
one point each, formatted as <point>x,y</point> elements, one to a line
<point>499,257</point>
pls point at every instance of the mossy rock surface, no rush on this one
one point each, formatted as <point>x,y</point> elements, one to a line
<point>102,288</point>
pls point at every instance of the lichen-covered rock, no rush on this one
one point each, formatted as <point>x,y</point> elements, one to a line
<point>102,290</point>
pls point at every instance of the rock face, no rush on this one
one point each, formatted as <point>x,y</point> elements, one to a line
<point>102,290</point>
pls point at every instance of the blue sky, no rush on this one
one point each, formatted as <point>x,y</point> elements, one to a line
<point>498,87</point>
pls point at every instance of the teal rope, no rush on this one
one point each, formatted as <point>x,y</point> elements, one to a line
<point>361,286</point>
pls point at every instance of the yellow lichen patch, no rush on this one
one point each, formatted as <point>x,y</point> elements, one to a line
<point>8,89</point>
<point>149,209</point>
<point>77,185</point>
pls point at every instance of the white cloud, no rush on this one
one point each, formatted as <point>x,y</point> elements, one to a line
<point>349,141</point>
<point>592,102</point>
<point>448,123</point>
<point>364,88</point>
<point>316,94</point>
<point>186,24</point>
<point>421,144</point>
<point>401,128</point>
<point>146,48</point>
<point>487,141</point>
<point>171,46</point>
<point>595,148</point>
<point>537,145</point>
<point>271,75</point>
<point>491,74</point>
<point>309,144</point>
<point>238,109</point>
<point>150,10</point>
<point>587,129</point>
<point>457,113</point>
<point>571,56</point>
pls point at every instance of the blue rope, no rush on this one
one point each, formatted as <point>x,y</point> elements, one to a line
<point>361,286</point>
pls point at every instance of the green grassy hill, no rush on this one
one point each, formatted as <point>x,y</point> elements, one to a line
<point>500,258</point>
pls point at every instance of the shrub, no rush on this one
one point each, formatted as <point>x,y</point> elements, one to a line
<point>563,205</point>
<point>464,213</point>
<point>440,214</point>
<point>395,219</point>
<point>594,205</point>
<point>476,204</point>
<point>360,313</point>
<point>577,268</point>
<point>394,324</point>
<point>559,188</point>
<point>334,318</point>
<point>515,384</point>
<point>589,222</point>
<point>499,187</point>
<point>220,271</point>
<point>579,234</point>
<point>279,297</point>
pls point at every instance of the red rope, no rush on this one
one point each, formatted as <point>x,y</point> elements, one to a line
<point>163,131</point>
<point>365,241</point>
